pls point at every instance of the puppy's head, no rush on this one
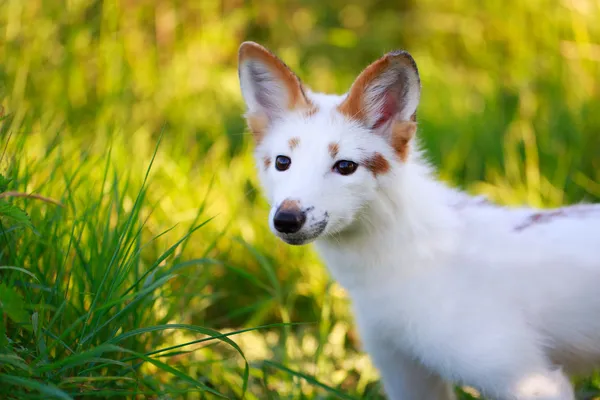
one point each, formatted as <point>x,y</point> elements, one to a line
<point>322,158</point>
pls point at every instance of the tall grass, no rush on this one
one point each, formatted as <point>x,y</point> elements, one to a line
<point>148,269</point>
<point>98,304</point>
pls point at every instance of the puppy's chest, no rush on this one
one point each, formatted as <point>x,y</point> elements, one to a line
<point>382,285</point>
<point>395,297</point>
<point>392,315</point>
<point>369,268</point>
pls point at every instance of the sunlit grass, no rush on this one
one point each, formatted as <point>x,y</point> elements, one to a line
<point>112,308</point>
<point>124,296</point>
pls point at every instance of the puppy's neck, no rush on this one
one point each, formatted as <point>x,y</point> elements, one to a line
<point>410,206</point>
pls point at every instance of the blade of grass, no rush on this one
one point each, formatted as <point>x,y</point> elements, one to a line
<point>136,205</point>
<point>30,384</point>
<point>308,379</point>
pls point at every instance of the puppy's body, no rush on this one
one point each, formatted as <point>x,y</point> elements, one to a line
<point>446,288</point>
<point>479,294</point>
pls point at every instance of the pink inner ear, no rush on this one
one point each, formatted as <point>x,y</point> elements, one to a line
<point>388,110</point>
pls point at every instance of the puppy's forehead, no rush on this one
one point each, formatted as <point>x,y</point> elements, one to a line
<point>320,129</point>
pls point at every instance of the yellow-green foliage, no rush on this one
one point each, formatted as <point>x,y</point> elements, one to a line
<point>510,108</point>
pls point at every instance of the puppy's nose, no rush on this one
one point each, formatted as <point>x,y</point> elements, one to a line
<point>289,221</point>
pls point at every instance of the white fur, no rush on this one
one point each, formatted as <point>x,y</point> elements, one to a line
<point>446,289</point>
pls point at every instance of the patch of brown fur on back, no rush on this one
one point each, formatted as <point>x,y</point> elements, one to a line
<point>293,143</point>
<point>267,161</point>
<point>298,99</point>
<point>580,211</point>
<point>402,132</point>
<point>334,149</point>
<point>473,202</point>
<point>377,164</point>
<point>290,205</point>
<point>257,123</point>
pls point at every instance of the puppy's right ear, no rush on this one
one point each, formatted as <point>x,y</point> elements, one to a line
<point>269,87</point>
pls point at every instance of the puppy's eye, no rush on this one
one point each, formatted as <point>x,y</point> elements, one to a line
<point>282,163</point>
<point>344,167</point>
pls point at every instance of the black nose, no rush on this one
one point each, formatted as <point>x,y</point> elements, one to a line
<point>289,221</point>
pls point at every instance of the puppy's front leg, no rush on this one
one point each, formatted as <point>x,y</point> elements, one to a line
<point>406,379</point>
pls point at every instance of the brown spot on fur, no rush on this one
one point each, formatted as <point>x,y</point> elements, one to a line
<point>402,132</point>
<point>257,123</point>
<point>539,217</point>
<point>294,142</point>
<point>290,205</point>
<point>469,201</point>
<point>377,164</point>
<point>334,149</point>
<point>566,212</point>
<point>267,161</point>
<point>353,105</point>
<point>297,97</point>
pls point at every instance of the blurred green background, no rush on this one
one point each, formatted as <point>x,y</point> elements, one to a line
<point>510,108</point>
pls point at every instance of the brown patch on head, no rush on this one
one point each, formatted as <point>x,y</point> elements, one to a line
<point>267,161</point>
<point>297,98</point>
<point>334,149</point>
<point>290,205</point>
<point>377,164</point>
<point>402,132</point>
<point>293,143</point>
<point>257,123</point>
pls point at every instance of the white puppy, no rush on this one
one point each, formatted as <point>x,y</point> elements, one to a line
<point>446,288</point>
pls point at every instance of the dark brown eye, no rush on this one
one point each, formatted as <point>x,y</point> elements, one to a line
<point>282,163</point>
<point>344,167</point>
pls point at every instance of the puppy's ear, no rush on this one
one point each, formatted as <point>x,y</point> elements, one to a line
<point>385,97</point>
<point>269,87</point>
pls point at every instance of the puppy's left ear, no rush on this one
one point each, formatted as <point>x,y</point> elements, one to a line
<point>384,98</point>
<point>270,89</point>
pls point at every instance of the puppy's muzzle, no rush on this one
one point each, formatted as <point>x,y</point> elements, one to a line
<point>289,218</point>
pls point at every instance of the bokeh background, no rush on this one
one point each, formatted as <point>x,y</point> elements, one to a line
<point>510,108</point>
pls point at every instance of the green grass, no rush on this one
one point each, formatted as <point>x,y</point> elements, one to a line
<point>92,299</point>
<point>145,268</point>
